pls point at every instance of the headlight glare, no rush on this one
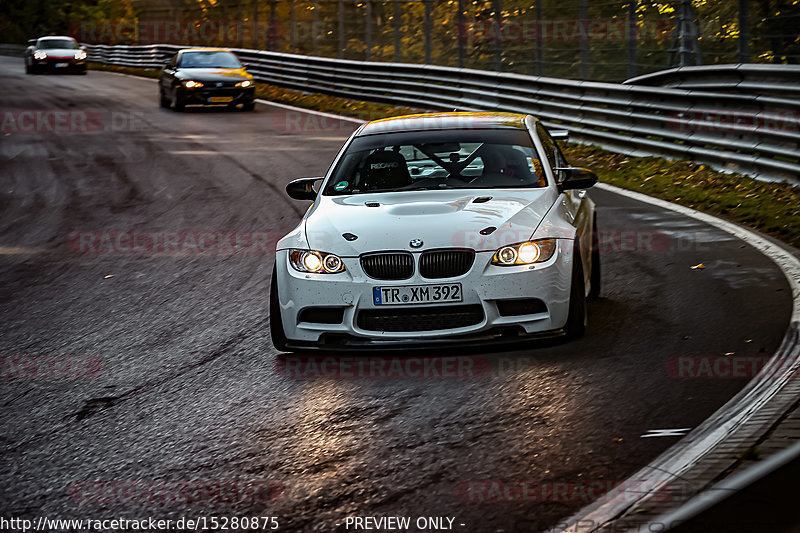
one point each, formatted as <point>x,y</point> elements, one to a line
<point>312,261</point>
<point>80,54</point>
<point>39,55</point>
<point>528,252</point>
<point>191,84</point>
<point>245,83</point>
<point>316,262</point>
<point>525,253</point>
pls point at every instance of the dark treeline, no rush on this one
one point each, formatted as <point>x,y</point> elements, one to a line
<point>597,39</point>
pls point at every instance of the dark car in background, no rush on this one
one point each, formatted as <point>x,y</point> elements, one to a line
<point>206,76</point>
<point>55,53</point>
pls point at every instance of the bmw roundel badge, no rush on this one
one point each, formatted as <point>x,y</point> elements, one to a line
<point>415,243</point>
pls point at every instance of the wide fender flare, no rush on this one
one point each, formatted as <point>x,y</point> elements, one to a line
<point>558,223</point>
<point>294,239</point>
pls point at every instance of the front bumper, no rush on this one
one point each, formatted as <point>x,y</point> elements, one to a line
<point>484,287</point>
<point>59,64</point>
<point>207,94</point>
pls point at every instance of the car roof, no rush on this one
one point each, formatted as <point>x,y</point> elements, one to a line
<point>445,121</point>
<point>57,37</point>
<point>209,49</point>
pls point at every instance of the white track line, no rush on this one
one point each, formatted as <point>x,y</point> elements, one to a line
<point>123,74</point>
<point>678,459</point>
<point>310,111</point>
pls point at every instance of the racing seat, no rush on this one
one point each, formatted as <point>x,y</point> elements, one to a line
<point>504,165</point>
<point>384,169</point>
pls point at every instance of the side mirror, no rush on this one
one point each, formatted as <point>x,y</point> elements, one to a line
<point>577,178</point>
<point>302,189</point>
<point>559,135</point>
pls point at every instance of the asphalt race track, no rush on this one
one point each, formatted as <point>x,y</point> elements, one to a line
<point>183,387</point>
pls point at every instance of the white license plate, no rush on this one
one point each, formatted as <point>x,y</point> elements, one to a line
<point>417,294</point>
<point>61,65</point>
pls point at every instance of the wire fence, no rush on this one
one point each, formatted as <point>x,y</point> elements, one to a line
<point>573,39</point>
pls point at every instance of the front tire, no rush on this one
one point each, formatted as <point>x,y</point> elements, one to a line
<point>575,328</point>
<point>163,101</point>
<point>178,103</point>
<point>250,106</point>
<point>275,320</point>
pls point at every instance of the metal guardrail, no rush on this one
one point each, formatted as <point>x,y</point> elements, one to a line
<point>779,80</point>
<point>760,498</point>
<point>748,133</point>
<point>11,49</point>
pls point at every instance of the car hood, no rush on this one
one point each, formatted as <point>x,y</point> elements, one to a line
<point>441,219</point>
<point>59,53</point>
<point>214,74</point>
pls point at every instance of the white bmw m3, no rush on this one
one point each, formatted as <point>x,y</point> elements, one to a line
<point>438,228</point>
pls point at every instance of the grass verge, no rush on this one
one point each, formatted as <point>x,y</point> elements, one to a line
<point>772,208</point>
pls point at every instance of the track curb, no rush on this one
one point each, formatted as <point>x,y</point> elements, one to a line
<point>706,453</point>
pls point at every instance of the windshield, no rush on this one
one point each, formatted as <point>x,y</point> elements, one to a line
<point>51,44</point>
<point>209,60</point>
<point>433,160</point>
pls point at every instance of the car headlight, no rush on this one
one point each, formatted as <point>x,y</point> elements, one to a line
<point>39,55</point>
<point>525,253</point>
<point>316,262</point>
<point>245,83</point>
<point>191,84</point>
<point>80,54</point>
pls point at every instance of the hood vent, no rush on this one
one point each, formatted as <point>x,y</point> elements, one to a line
<point>349,236</point>
<point>481,199</point>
